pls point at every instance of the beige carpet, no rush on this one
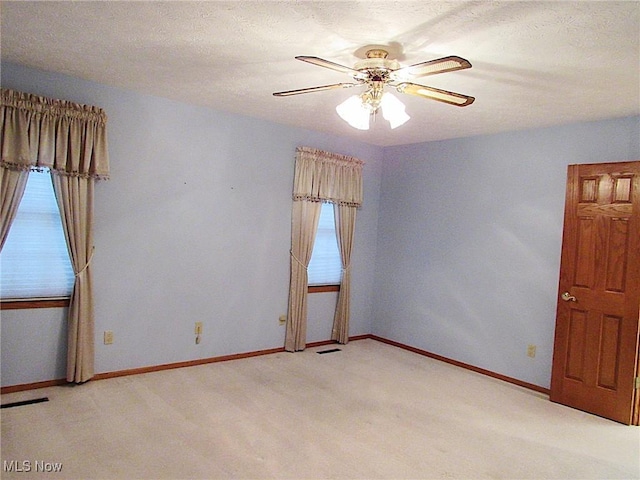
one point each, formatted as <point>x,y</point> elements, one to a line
<point>369,411</point>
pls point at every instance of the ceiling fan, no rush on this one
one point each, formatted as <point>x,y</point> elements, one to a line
<point>377,71</point>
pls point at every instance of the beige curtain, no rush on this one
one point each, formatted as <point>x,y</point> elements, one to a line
<point>327,177</point>
<point>12,184</point>
<point>345,217</point>
<point>40,132</point>
<point>75,201</point>
<point>71,140</point>
<point>319,177</point>
<point>304,224</point>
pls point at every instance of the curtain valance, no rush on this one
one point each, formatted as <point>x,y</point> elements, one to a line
<point>327,177</point>
<point>39,132</point>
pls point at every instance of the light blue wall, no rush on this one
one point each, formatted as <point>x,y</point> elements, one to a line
<point>457,245</point>
<point>469,241</point>
<point>34,345</point>
<point>194,225</point>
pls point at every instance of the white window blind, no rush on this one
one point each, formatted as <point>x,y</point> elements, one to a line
<point>34,262</point>
<point>325,267</point>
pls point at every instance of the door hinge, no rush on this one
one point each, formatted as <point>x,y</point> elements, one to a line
<point>637,383</point>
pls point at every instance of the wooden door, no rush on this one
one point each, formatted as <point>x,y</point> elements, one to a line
<point>595,359</point>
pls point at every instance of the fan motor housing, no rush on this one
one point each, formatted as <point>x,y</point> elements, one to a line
<point>377,60</point>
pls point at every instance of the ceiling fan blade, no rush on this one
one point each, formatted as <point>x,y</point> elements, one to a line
<point>333,66</point>
<point>432,67</point>
<point>314,89</point>
<point>451,98</point>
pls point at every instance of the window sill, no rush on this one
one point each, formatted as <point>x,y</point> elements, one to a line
<point>323,288</point>
<point>41,303</point>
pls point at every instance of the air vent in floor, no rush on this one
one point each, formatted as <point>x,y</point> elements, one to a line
<point>25,402</point>
<point>329,351</point>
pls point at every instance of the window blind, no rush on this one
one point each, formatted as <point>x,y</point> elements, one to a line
<point>325,267</point>
<point>34,262</point>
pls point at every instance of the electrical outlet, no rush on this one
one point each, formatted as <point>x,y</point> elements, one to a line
<point>531,351</point>
<point>282,320</point>
<point>108,337</point>
<point>198,330</point>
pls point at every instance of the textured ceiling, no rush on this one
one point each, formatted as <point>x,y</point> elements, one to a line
<point>534,63</point>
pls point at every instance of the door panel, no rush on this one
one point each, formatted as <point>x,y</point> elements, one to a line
<point>618,251</point>
<point>577,345</point>
<point>596,342</point>
<point>609,352</point>
<point>585,252</point>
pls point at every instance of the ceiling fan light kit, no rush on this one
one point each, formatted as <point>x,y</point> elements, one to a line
<point>355,112</point>
<point>393,110</point>
<point>377,71</point>
<point>358,109</point>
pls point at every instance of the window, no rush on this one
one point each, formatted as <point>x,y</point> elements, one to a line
<point>34,262</point>
<point>325,267</point>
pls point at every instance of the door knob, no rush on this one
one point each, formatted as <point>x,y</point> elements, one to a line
<point>567,297</point>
